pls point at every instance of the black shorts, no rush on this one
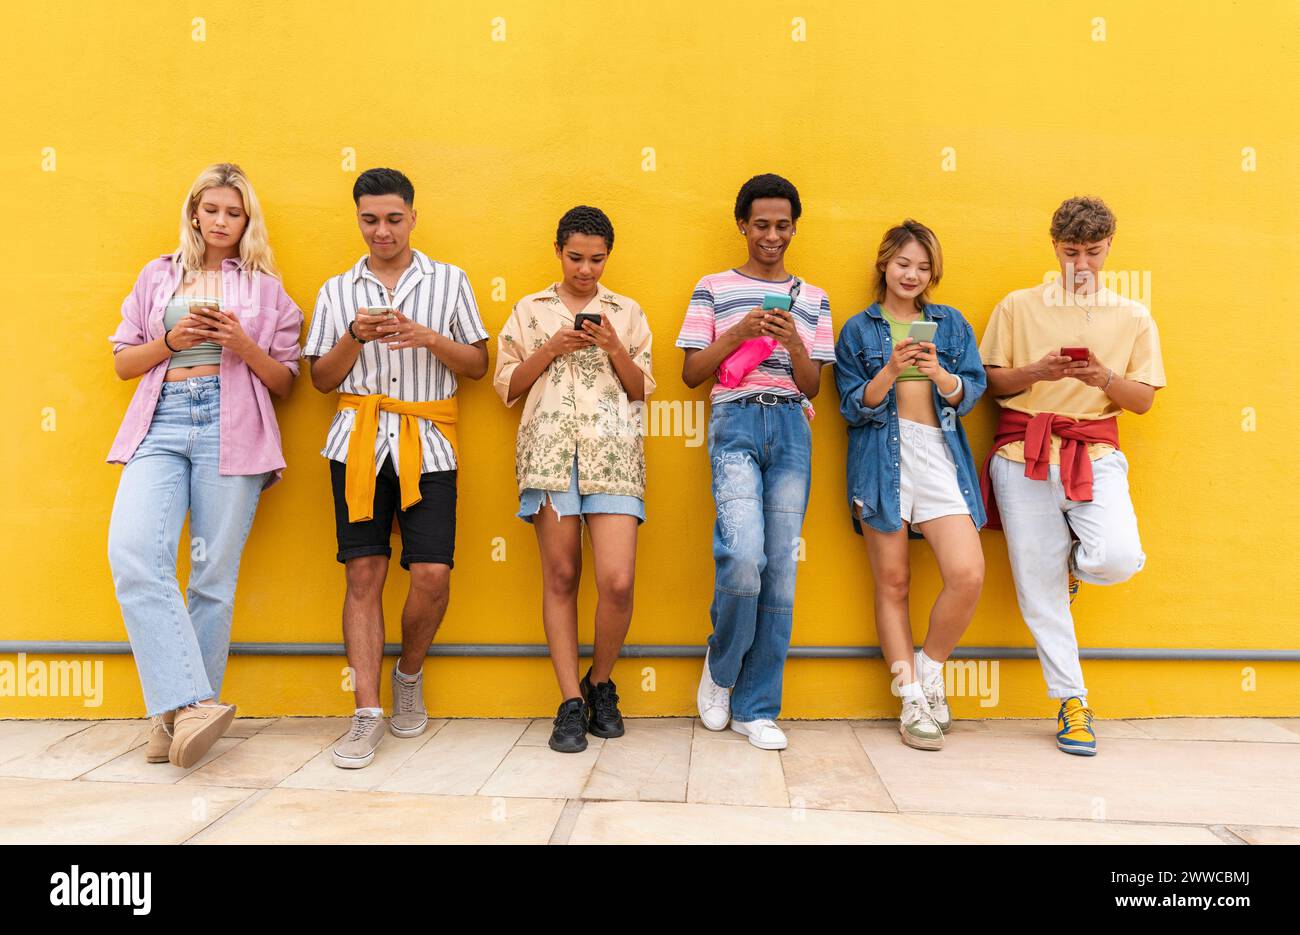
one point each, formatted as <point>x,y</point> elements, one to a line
<point>428,528</point>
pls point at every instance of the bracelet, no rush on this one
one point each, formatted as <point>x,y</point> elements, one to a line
<point>352,334</point>
<point>956,389</point>
<point>1108,379</point>
<point>169,343</point>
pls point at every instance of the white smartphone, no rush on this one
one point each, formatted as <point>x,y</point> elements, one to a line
<point>922,330</point>
<point>379,311</point>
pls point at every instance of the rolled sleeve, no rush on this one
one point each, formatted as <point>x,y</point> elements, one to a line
<point>510,354</point>
<point>285,346</point>
<point>639,348</point>
<point>466,325</point>
<point>851,379</point>
<point>324,331</point>
<point>131,330</point>
<point>971,369</point>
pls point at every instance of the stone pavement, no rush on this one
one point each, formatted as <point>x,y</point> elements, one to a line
<point>668,780</point>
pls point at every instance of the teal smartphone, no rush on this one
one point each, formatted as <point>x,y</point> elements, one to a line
<point>777,301</point>
<point>922,330</point>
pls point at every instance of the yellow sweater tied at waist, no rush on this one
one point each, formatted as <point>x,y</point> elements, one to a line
<point>359,485</point>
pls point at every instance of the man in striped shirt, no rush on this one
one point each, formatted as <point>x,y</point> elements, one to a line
<point>391,335</point>
<point>760,446</point>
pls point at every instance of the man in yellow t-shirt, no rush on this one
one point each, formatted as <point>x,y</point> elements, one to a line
<point>1065,358</point>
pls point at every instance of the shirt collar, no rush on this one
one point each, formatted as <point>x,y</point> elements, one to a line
<point>551,294</point>
<point>932,311</point>
<point>418,260</point>
<point>229,262</point>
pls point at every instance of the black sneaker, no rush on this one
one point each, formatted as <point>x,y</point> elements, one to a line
<point>570,733</point>
<point>604,719</point>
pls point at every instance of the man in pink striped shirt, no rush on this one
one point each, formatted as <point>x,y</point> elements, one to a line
<point>760,446</point>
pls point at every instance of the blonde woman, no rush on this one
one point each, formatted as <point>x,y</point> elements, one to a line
<point>910,466</point>
<point>211,335</point>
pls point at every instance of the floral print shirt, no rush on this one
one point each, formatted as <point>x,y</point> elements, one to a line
<point>578,405</point>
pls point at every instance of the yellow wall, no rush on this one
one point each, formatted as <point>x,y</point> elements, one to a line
<point>501,137</point>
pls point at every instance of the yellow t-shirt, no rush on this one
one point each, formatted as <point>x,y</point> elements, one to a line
<point>1031,323</point>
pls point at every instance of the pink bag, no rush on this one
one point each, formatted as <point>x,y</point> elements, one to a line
<point>743,359</point>
<point>751,353</point>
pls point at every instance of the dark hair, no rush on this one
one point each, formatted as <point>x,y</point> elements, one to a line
<point>767,186</point>
<point>1082,219</point>
<point>585,220</point>
<point>383,182</point>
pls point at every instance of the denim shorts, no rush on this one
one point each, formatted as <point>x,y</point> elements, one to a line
<point>570,502</point>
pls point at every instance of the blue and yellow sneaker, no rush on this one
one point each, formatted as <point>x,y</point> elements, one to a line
<point>1074,733</point>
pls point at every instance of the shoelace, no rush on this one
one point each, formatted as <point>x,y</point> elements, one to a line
<point>918,711</point>
<point>361,725</point>
<point>407,690</point>
<point>933,688</point>
<point>764,724</point>
<point>604,699</point>
<point>1076,718</point>
<point>716,696</point>
<point>569,716</point>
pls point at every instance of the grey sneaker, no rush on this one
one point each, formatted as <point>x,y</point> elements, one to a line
<point>357,749</point>
<point>933,689</point>
<point>409,717</point>
<point>917,726</point>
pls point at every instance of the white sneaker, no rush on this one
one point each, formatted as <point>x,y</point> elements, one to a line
<point>932,688</point>
<point>918,727</point>
<point>763,734</point>
<point>712,700</point>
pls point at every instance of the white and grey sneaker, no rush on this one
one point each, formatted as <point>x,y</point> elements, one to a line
<point>712,700</point>
<point>357,749</point>
<point>917,725</point>
<point>763,733</point>
<point>409,717</point>
<point>932,688</point>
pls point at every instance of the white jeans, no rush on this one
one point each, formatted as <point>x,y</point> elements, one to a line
<point>1038,518</point>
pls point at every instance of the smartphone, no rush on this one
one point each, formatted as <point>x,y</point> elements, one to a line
<point>922,330</point>
<point>776,301</point>
<point>379,311</point>
<point>592,317</point>
<point>1075,353</point>
<point>202,305</point>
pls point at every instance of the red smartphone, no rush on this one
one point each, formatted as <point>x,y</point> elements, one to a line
<point>1075,353</point>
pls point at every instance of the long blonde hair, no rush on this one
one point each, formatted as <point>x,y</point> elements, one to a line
<point>254,246</point>
<point>895,239</point>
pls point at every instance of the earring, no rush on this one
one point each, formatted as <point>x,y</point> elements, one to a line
<point>194,222</point>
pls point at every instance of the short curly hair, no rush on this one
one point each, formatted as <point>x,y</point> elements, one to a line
<point>767,185</point>
<point>585,219</point>
<point>1082,219</point>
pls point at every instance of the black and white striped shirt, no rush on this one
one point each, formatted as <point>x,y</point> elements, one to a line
<point>436,295</point>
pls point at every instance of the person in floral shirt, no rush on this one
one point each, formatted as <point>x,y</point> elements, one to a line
<point>579,354</point>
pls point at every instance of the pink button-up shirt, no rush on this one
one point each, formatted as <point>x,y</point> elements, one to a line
<point>250,435</point>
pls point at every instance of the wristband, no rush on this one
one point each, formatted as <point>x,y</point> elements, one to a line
<point>352,334</point>
<point>169,343</point>
<point>956,389</point>
<point>1108,379</point>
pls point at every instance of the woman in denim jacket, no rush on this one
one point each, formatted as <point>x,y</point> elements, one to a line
<point>909,465</point>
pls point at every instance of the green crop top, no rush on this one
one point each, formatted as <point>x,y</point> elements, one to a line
<point>207,353</point>
<point>898,332</point>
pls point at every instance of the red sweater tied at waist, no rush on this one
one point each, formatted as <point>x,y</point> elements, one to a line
<point>1036,432</point>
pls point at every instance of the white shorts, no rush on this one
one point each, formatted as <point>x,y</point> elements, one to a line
<point>927,483</point>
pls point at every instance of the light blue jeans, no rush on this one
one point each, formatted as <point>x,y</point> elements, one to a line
<point>180,647</point>
<point>762,468</point>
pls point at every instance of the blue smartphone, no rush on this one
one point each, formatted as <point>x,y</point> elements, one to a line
<point>776,301</point>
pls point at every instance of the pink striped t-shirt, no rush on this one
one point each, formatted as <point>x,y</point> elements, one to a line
<point>721,300</point>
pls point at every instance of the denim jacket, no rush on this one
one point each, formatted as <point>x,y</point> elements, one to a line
<point>863,348</point>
